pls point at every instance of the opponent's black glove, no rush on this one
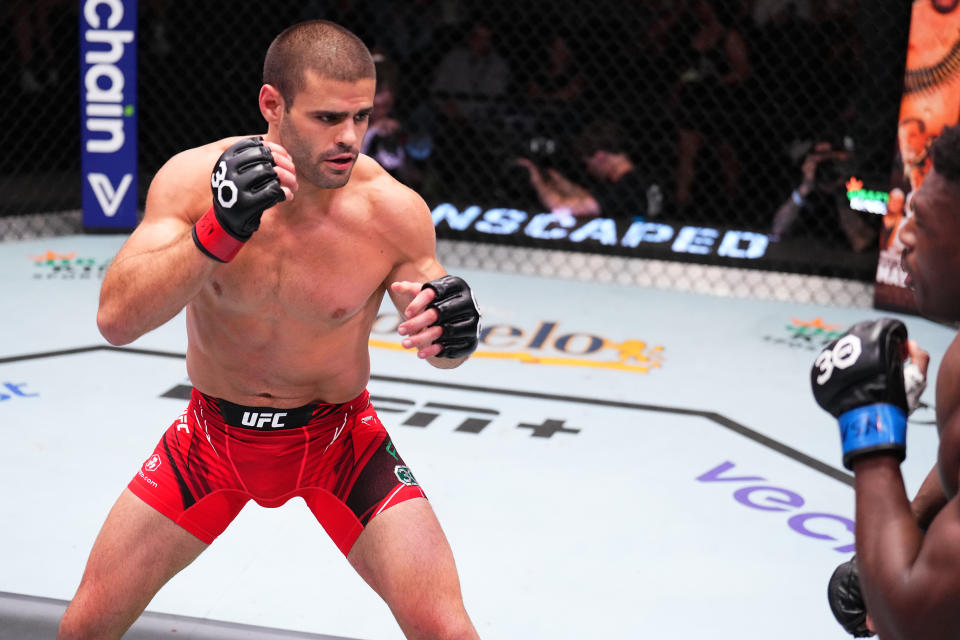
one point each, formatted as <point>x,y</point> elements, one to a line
<point>846,601</point>
<point>859,379</point>
<point>457,315</point>
<point>244,185</point>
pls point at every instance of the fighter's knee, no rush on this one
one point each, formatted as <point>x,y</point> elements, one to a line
<point>76,627</point>
<point>431,624</point>
<point>81,622</point>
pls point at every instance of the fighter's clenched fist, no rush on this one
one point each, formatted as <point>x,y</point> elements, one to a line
<point>859,379</point>
<point>245,183</point>
<point>452,329</point>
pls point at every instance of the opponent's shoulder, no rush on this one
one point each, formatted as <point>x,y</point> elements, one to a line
<point>181,187</point>
<point>948,384</point>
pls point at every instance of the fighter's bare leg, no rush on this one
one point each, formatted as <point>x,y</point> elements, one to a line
<point>405,557</point>
<point>136,552</point>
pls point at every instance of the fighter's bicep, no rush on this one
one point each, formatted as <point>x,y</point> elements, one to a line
<point>414,236</point>
<point>177,197</point>
<point>936,571</point>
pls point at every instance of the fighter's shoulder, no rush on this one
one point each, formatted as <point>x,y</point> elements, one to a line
<point>948,381</point>
<point>182,184</point>
<point>197,161</point>
<point>388,197</point>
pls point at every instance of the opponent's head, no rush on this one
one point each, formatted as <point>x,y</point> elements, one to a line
<point>932,233</point>
<point>317,95</point>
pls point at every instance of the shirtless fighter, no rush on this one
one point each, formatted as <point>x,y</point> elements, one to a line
<point>907,570</point>
<point>282,278</point>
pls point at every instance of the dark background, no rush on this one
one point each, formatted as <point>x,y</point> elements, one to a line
<point>829,71</point>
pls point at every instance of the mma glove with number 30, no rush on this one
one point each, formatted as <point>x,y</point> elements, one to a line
<point>244,185</point>
<point>858,378</point>
<point>457,315</point>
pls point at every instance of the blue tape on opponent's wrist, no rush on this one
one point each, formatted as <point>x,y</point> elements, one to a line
<point>872,427</point>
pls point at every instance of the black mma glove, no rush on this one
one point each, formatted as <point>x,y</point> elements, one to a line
<point>457,315</point>
<point>244,185</point>
<point>859,379</point>
<point>846,601</point>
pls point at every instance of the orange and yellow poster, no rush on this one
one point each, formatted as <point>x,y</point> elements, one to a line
<point>931,101</point>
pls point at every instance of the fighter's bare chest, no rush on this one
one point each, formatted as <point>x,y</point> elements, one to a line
<point>305,281</point>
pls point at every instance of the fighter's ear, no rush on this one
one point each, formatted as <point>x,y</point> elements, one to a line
<point>272,105</point>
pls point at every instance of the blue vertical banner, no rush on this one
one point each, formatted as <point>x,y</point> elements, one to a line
<point>108,113</point>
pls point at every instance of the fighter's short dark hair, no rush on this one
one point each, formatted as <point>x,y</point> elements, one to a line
<point>946,154</point>
<point>318,45</point>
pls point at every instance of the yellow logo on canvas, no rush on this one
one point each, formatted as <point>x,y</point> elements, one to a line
<point>546,344</point>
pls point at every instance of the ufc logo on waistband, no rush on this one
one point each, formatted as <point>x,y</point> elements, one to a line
<point>261,420</point>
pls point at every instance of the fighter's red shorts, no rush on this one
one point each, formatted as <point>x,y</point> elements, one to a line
<point>218,455</point>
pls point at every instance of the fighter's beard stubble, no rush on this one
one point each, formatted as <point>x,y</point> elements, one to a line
<point>312,169</point>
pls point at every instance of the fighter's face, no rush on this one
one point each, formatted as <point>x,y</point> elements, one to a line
<point>930,257</point>
<point>324,127</point>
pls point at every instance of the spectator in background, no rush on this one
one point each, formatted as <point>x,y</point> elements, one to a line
<point>471,79</point>
<point>33,36</point>
<point>469,84</point>
<point>765,11</point>
<point>706,98</point>
<point>557,83</point>
<point>386,138</point>
<point>618,191</point>
<point>406,30</point>
<point>818,208</point>
<point>157,12</point>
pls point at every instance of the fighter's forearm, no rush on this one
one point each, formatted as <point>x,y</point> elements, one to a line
<point>888,541</point>
<point>929,499</point>
<point>142,291</point>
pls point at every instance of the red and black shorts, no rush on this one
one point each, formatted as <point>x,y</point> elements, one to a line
<point>218,455</point>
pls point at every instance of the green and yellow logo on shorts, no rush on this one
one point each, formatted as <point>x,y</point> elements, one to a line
<point>405,476</point>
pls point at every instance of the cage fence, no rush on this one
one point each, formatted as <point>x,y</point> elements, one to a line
<point>719,107</point>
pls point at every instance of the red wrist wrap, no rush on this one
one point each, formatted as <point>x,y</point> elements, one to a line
<point>213,239</point>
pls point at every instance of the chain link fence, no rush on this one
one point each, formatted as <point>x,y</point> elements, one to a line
<point>681,131</point>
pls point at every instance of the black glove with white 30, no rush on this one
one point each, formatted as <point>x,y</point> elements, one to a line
<point>244,184</point>
<point>457,315</point>
<point>859,379</point>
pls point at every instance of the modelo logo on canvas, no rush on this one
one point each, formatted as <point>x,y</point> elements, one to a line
<point>547,344</point>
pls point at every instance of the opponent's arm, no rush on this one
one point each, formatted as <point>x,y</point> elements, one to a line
<point>163,264</point>
<point>844,594</point>
<point>442,320</point>
<point>910,581</point>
